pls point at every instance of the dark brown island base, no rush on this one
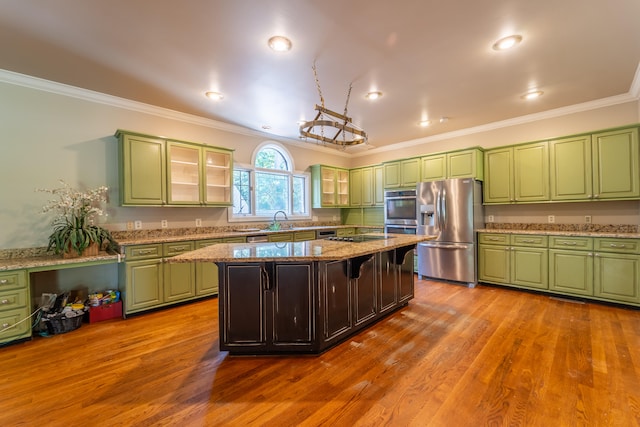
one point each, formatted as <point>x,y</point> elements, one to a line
<point>304,297</point>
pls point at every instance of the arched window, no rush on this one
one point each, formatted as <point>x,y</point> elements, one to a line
<point>270,185</point>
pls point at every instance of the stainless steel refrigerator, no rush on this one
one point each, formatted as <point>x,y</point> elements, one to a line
<point>452,210</point>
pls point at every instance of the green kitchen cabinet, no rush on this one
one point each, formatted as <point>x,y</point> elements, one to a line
<point>156,172</point>
<point>517,174</point>
<point>366,187</point>
<point>330,187</point>
<point>571,265</point>
<point>402,173</point>
<point>355,187</point>
<point>378,185</point>
<point>433,167</point>
<point>143,171</point>
<point>281,237</point>
<point>616,170</point>
<point>617,277</point>
<point>143,281</point>
<point>514,260</point>
<point>198,174</point>
<point>617,270</point>
<point>570,168</point>
<point>498,184</point>
<point>494,264</point>
<point>15,306</point>
<point>206,272</point>
<point>301,236</point>
<point>456,164</point>
<point>179,278</point>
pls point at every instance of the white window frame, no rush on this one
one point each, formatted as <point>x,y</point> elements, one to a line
<point>252,169</point>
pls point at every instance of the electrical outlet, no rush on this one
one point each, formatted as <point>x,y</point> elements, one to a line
<point>490,218</point>
<point>587,219</point>
<point>198,222</point>
<point>552,219</point>
<point>335,217</point>
<point>137,225</point>
<point>164,223</point>
<point>314,218</point>
<point>130,225</point>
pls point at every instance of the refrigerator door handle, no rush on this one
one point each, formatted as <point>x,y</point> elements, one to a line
<point>438,213</point>
<point>443,208</point>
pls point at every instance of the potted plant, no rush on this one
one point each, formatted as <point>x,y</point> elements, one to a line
<point>74,233</point>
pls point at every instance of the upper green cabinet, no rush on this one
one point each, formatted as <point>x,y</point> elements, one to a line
<point>570,168</point>
<point>330,187</point>
<point>366,186</point>
<point>143,170</point>
<point>155,171</point>
<point>198,174</point>
<point>402,173</point>
<point>517,174</point>
<point>456,164</point>
<point>616,174</point>
<point>597,166</point>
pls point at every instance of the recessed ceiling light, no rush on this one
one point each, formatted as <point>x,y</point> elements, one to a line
<point>532,94</point>
<point>216,96</point>
<point>373,95</point>
<point>444,119</point>
<point>507,42</point>
<point>425,123</point>
<point>266,127</point>
<point>280,44</point>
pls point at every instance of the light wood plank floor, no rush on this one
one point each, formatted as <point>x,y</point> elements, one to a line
<point>454,357</point>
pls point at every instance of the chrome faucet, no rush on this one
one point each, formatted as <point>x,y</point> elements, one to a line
<point>283,213</point>
<point>275,225</point>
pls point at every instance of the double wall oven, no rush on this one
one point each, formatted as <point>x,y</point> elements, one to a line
<point>400,211</point>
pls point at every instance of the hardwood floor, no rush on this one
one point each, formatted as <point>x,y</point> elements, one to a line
<point>454,357</point>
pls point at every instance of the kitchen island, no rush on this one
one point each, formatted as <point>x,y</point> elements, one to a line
<point>304,297</point>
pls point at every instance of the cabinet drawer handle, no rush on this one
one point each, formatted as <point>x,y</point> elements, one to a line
<point>4,282</point>
<point>528,241</point>
<point>614,245</point>
<point>569,243</point>
<point>493,239</point>
<point>4,301</point>
<point>145,251</point>
<point>179,248</point>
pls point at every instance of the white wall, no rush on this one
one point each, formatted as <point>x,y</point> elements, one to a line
<point>48,136</point>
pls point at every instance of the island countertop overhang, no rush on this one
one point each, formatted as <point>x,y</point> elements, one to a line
<point>311,250</point>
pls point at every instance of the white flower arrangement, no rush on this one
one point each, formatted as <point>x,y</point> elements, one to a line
<point>73,225</point>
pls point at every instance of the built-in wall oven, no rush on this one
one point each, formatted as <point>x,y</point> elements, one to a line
<point>400,211</point>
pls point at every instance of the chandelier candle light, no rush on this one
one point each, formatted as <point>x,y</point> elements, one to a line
<point>346,133</point>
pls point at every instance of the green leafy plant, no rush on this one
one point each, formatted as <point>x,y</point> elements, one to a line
<point>73,227</point>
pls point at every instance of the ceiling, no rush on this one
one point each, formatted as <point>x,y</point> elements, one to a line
<point>429,58</point>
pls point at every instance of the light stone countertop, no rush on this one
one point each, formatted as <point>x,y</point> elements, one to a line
<point>55,262</point>
<point>562,233</point>
<point>310,250</point>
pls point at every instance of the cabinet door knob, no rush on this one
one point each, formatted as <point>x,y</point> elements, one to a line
<point>4,301</point>
<point>4,325</point>
<point>4,282</point>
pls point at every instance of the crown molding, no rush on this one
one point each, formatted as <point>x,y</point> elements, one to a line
<point>127,104</point>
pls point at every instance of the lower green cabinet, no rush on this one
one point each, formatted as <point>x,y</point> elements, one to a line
<point>517,260</point>
<point>598,268</point>
<point>15,304</point>
<point>617,277</point>
<point>149,282</point>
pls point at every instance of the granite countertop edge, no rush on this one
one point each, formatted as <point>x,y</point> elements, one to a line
<point>311,250</point>
<point>562,233</point>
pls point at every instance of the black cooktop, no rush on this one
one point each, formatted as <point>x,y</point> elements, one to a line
<point>357,238</point>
